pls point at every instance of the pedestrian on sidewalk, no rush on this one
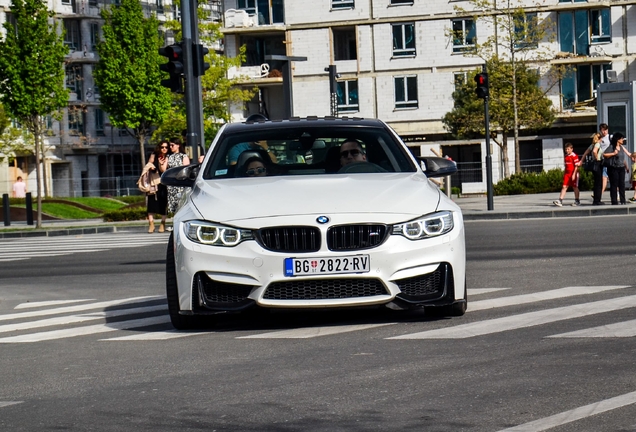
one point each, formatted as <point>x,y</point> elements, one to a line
<point>158,203</point>
<point>597,172</point>
<point>613,160</point>
<point>19,188</point>
<point>570,177</point>
<point>633,199</point>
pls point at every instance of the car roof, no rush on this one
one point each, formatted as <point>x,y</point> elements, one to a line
<point>295,122</point>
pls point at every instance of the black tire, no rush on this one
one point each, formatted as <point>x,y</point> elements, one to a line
<point>179,322</point>
<point>457,309</point>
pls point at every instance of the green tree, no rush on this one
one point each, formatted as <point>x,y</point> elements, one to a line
<point>534,109</point>
<point>31,73</point>
<point>218,91</point>
<point>516,40</point>
<point>13,140</point>
<point>128,73</point>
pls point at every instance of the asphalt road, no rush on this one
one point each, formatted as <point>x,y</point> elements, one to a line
<point>506,363</point>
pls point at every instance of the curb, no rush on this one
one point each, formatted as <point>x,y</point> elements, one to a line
<point>57,232</point>
<point>547,214</point>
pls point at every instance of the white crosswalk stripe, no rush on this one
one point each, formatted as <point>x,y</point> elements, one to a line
<point>57,319</point>
<point>33,247</point>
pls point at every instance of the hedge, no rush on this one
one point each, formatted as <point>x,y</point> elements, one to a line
<point>543,182</point>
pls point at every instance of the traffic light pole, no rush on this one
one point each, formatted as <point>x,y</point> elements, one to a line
<point>193,95</point>
<point>489,188</point>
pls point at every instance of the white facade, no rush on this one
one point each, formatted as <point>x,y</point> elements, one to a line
<point>325,32</point>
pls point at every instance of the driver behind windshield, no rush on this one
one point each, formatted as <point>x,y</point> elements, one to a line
<point>351,151</point>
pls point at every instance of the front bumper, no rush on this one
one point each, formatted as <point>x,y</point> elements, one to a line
<point>403,272</point>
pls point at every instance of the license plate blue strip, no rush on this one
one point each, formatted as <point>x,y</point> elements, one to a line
<point>289,267</point>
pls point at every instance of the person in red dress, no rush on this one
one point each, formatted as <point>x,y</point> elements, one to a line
<point>570,176</point>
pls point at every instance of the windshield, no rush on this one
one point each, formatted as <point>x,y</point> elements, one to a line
<point>307,151</point>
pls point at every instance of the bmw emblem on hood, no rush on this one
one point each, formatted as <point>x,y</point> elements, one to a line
<point>322,219</point>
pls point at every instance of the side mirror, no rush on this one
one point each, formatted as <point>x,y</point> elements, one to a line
<point>436,166</point>
<point>183,176</point>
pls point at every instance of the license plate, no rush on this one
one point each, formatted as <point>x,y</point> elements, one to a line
<point>327,266</point>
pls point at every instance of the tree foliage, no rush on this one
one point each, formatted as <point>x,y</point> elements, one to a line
<point>31,72</point>
<point>218,91</point>
<point>128,73</point>
<point>513,53</point>
<point>535,112</point>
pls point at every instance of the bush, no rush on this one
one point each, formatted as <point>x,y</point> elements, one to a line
<point>128,214</point>
<point>544,182</point>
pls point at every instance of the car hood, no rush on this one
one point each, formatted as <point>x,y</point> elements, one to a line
<point>264,197</point>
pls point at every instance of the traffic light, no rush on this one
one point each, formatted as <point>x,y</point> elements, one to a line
<point>482,90</point>
<point>333,76</point>
<point>174,67</point>
<point>199,65</point>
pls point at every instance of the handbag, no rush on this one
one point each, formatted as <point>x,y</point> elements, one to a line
<point>148,182</point>
<point>590,163</point>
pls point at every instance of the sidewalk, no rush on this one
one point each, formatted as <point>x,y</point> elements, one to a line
<point>538,206</point>
<point>473,208</point>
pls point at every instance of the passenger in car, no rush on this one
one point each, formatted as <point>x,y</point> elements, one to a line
<point>235,151</point>
<point>351,151</point>
<point>255,167</point>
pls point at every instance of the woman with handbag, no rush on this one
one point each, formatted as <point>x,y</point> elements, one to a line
<point>613,160</point>
<point>158,202</point>
<point>592,160</point>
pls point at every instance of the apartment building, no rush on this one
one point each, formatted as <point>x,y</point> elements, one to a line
<point>86,155</point>
<point>399,61</point>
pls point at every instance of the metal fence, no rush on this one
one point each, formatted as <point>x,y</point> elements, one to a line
<point>467,172</point>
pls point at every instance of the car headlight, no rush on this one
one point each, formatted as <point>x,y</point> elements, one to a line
<point>216,235</point>
<point>431,225</point>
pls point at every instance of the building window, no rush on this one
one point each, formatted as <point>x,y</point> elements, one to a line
<point>581,84</point>
<point>405,92</point>
<point>401,2</point>
<point>344,43</point>
<point>72,35</point>
<point>159,6</point>
<point>600,26</point>
<point>526,35</point>
<point>92,2</point>
<point>463,34</point>
<point>74,79</point>
<point>580,28</point>
<point>342,4</point>
<point>459,80</point>
<point>248,6</point>
<point>95,89</point>
<point>266,11</point>
<point>347,92</point>
<point>76,121</point>
<point>99,122</point>
<point>403,40</point>
<point>67,2</point>
<point>94,27</point>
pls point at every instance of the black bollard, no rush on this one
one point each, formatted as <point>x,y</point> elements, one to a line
<point>6,209</point>
<point>29,209</point>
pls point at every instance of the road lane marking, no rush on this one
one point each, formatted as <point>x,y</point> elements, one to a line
<point>478,291</point>
<point>9,403</point>
<point>575,414</point>
<point>87,330</point>
<point>67,309</point>
<point>617,330</point>
<point>73,319</point>
<point>529,319</point>
<point>158,335</point>
<point>311,332</point>
<point>539,296</point>
<point>48,303</point>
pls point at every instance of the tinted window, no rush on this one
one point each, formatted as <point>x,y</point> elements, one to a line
<point>304,151</point>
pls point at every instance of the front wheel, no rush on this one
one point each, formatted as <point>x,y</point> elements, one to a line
<point>180,322</point>
<point>458,309</point>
